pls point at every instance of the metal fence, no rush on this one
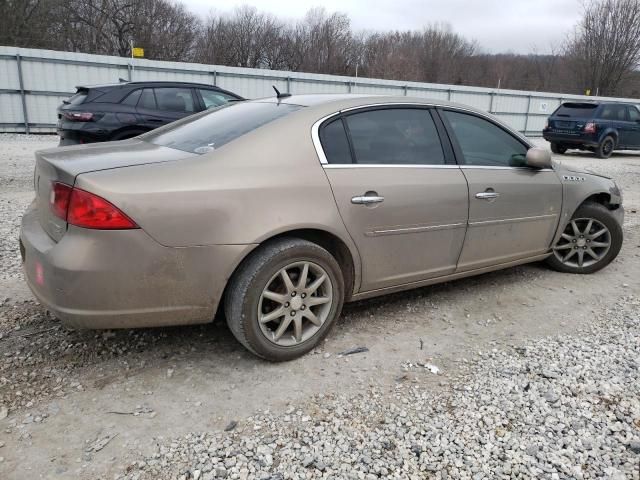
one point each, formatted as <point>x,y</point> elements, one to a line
<point>34,82</point>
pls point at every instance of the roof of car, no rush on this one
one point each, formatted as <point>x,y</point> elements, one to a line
<point>347,100</point>
<point>149,83</point>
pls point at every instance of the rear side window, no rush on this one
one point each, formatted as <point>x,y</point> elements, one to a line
<point>203,133</point>
<point>132,98</point>
<point>484,143</point>
<point>576,110</point>
<point>400,136</point>
<point>613,112</point>
<point>174,99</point>
<point>213,99</point>
<point>335,143</point>
<point>147,99</point>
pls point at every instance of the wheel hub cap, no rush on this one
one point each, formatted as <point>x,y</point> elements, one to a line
<point>583,243</point>
<point>295,303</point>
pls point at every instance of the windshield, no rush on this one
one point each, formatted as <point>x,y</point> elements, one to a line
<point>212,129</point>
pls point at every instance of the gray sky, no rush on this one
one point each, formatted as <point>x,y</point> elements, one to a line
<point>518,26</point>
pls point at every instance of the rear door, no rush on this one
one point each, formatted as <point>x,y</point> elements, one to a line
<point>400,196</point>
<point>514,210</point>
<point>159,106</point>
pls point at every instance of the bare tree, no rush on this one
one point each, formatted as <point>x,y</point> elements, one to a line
<point>605,47</point>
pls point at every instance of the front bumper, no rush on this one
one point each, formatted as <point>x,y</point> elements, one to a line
<point>124,278</point>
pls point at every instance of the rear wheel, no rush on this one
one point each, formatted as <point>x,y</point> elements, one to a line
<point>558,148</point>
<point>605,149</point>
<point>590,241</point>
<point>284,299</point>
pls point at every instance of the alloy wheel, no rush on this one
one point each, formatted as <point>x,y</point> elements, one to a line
<point>584,242</point>
<point>295,303</point>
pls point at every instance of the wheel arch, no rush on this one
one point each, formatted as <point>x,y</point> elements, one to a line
<point>118,134</point>
<point>346,257</point>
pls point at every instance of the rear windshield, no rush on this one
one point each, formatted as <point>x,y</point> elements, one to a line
<point>78,98</point>
<point>576,110</point>
<point>212,129</point>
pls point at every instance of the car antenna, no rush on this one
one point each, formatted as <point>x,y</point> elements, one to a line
<point>280,95</point>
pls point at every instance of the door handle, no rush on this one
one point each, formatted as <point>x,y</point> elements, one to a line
<point>367,200</point>
<point>487,195</point>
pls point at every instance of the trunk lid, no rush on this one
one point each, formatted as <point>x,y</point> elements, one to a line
<point>66,163</point>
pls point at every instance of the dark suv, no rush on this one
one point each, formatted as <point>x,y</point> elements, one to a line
<point>597,127</point>
<point>114,112</point>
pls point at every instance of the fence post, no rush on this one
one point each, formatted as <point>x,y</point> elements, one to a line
<point>406,90</point>
<point>349,86</point>
<point>129,72</point>
<point>25,114</point>
<point>288,84</point>
<point>448,95</point>
<point>491,95</point>
<point>215,78</point>
<point>526,117</point>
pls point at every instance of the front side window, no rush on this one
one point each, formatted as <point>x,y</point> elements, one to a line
<point>485,144</point>
<point>209,130</point>
<point>213,99</point>
<point>634,114</point>
<point>395,136</point>
<point>174,99</point>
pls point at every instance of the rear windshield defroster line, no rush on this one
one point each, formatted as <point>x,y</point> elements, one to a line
<point>210,130</point>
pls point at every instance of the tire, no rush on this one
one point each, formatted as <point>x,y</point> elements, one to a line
<point>605,149</point>
<point>600,217</point>
<point>261,273</point>
<point>558,148</point>
<point>127,134</point>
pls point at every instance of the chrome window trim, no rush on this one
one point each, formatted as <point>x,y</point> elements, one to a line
<point>315,129</point>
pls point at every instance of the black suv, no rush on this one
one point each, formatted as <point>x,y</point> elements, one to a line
<point>597,127</point>
<point>114,112</point>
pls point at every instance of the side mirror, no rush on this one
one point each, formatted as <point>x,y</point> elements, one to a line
<point>538,158</point>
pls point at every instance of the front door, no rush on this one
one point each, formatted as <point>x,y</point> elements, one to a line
<point>514,210</point>
<point>402,201</point>
<point>632,136</point>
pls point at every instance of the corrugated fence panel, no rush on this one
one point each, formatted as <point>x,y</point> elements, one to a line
<point>50,76</point>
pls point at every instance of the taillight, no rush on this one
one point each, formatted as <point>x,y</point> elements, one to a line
<point>59,200</point>
<point>78,116</point>
<point>87,210</point>
<point>590,127</point>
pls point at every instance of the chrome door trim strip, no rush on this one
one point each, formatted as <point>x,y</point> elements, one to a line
<point>484,223</point>
<point>386,165</point>
<point>425,228</point>
<point>491,167</point>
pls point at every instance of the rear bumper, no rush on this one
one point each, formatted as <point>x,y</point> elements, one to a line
<point>124,278</point>
<point>577,140</point>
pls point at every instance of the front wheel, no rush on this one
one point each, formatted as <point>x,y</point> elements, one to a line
<point>605,149</point>
<point>590,241</point>
<point>284,299</point>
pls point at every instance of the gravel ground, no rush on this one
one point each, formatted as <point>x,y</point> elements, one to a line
<point>509,399</point>
<point>563,407</point>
